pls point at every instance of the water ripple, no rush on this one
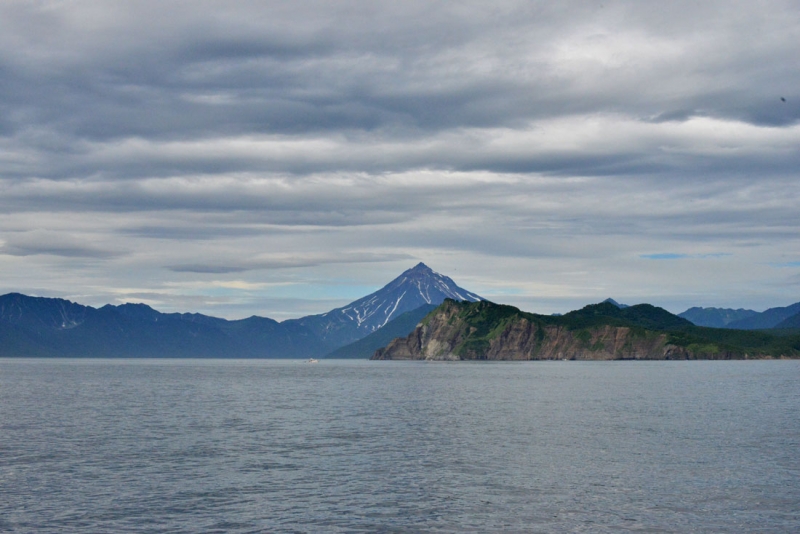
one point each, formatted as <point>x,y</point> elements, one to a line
<point>276,446</point>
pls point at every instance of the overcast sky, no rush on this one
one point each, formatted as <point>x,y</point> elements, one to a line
<point>284,158</point>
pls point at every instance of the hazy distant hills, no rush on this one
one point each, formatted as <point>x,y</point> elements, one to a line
<point>48,327</point>
<point>767,319</point>
<point>36,326</point>
<point>742,319</point>
<point>716,317</point>
<point>791,322</point>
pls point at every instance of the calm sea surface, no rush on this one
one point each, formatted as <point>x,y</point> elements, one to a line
<point>357,446</point>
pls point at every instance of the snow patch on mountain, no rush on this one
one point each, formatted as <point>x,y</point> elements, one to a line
<point>415,287</point>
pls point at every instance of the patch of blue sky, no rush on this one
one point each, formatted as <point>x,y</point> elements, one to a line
<point>713,255</point>
<point>664,256</point>
<point>680,256</point>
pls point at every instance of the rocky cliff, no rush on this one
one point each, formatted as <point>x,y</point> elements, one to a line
<point>487,331</point>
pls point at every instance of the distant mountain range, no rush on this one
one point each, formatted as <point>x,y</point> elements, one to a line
<point>49,327</point>
<point>790,323</point>
<point>716,317</point>
<point>36,326</point>
<point>741,319</point>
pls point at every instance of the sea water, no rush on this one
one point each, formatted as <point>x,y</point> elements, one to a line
<point>358,446</point>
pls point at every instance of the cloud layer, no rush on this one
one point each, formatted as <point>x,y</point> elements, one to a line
<point>257,157</point>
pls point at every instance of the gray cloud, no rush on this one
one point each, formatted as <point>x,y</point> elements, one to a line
<point>66,251</point>
<point>38,242</point>
<point>145,145</point>
<point>218,72</point>
<point>283,261</point>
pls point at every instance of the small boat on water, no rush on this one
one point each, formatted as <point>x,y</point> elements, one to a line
<point>312,360</point>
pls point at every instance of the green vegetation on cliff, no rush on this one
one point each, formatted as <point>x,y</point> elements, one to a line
<point>484,330</point>
<point>683,333</point>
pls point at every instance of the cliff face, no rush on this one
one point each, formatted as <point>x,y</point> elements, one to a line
<point>451,333</point>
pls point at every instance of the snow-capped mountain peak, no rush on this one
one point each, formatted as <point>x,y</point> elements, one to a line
<point>415,287</point>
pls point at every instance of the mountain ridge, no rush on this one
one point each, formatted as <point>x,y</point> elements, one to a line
<point>488,331</point>
<point>415,287</point>
<point>715,317</point>
<point>740,319</point>
<point>769,318</point>
<point>42,326</point>
<point>790,322</point>
<point>398,327</point>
